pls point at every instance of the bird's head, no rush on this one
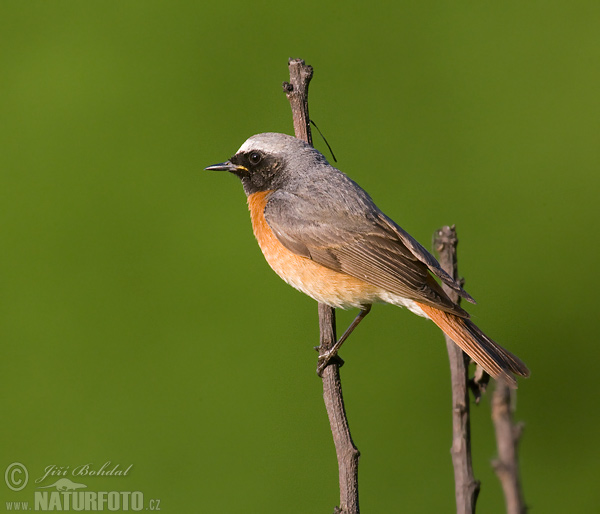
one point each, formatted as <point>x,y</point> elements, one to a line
<point>266,162</point>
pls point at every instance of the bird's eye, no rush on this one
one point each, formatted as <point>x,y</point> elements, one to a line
<point>254,158</point>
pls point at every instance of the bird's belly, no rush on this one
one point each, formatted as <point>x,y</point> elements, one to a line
<point>327,286</point>
<point>323,284</point>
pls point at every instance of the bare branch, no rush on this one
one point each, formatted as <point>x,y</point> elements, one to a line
<point>346,451</point>
<point>296,91</point>
<point>466,487</point>
<point>347,454</point>
<point>507,439</point>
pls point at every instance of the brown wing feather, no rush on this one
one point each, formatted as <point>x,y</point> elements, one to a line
<point>367,246</point>
<point>386,264</point>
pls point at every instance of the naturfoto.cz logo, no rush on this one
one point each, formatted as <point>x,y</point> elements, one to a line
<point>62,493</point>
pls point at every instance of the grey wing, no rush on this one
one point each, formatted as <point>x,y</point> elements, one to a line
<point>425,257</point>
<point>361,241</point>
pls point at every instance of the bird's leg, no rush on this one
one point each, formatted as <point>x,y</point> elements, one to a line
<point>325,358</point>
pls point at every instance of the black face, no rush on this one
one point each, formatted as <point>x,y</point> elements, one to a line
<point>258,171</point>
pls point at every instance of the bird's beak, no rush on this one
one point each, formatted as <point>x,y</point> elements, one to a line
<point>226,166</point>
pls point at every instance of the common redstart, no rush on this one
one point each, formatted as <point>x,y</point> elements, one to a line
<point>323,235</point>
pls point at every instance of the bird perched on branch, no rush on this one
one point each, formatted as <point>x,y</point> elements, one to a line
<point>323,235</point>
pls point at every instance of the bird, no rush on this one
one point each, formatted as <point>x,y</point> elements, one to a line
<point>323,235</point>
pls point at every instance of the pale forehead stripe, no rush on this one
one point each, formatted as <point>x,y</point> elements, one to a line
<point>266,143</point>
<point>247,146</point>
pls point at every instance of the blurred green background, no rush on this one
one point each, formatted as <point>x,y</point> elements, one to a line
<point>140,323</point>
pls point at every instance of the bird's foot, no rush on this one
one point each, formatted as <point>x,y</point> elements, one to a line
<point>327,358</point>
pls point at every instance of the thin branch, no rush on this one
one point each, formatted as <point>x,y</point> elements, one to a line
<point>347,454</point>
<point>507,439</point>
<point>466,487</point>
<point>346,451</point>
<point>296,91</point>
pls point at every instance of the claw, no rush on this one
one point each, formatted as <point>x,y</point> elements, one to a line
<point>326,359</point>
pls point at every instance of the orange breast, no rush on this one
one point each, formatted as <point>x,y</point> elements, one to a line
<point>321,283</point>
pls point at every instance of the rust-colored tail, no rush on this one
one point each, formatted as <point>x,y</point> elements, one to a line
<point>497,361</point>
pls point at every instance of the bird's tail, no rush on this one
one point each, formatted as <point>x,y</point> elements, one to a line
<point>495,360</point>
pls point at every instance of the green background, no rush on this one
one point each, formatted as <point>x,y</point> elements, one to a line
<point>140,324</point>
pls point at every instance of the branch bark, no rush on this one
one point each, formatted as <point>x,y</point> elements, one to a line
<point>507,439</point>
<point>466,487</point>
<point>296,91</point>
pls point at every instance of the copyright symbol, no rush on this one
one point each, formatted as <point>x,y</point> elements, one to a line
<point>16,476</point>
